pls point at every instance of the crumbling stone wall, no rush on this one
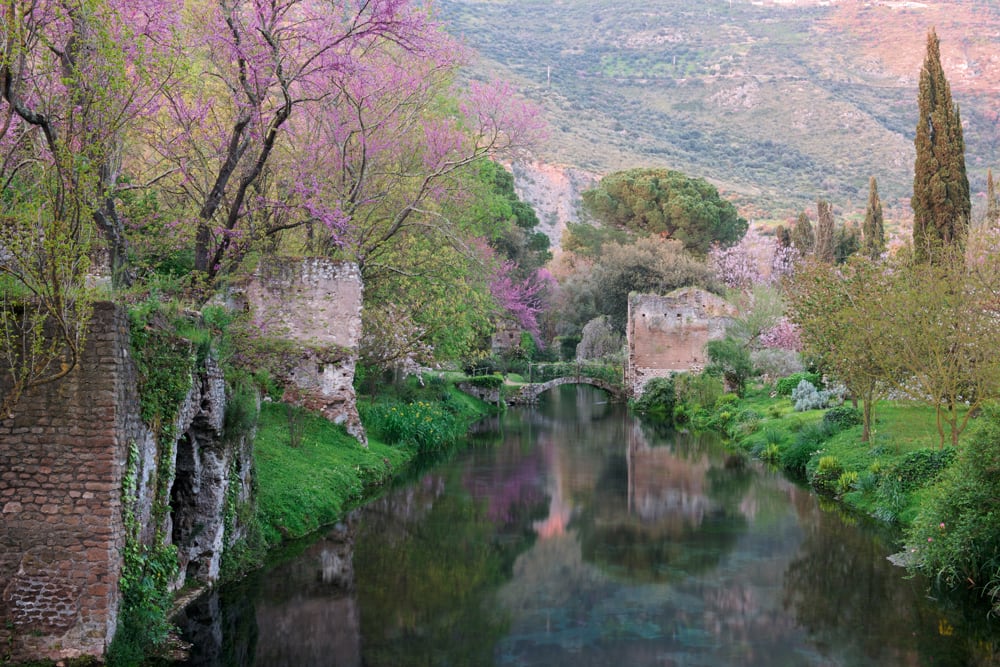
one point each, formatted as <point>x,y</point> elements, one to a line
<point>668,334</point>
<point>315,304</point>
<point>206,461</point>
<point>62,457</point>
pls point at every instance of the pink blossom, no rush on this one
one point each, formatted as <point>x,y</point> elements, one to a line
<point>756,260</point>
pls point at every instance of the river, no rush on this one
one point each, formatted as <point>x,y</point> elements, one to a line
<point>571,534</point>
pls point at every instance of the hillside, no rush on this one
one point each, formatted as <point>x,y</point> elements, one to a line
<point>778,103</point>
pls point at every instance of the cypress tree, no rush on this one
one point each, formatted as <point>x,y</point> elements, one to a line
<point>824,232</point>
<point>992,205</point>
<point>873,231</point>
<point>802,235</point>
<point>941,202</point>
<point>783,236</point>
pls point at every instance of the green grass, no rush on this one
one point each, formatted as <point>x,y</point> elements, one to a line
<point>304,487</point>
<point>327,472</point>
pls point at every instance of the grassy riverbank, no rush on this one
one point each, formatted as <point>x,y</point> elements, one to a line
<point>886,477</point>
<point>310,471</point>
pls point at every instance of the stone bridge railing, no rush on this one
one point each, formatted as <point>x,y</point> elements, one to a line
<point>529,393</point>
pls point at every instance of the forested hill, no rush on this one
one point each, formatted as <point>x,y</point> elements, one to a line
<point>778,103</point>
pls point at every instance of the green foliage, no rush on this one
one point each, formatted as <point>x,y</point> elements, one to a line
<point>785,386</point>
<point>808,441</point>
<point>824,250</point>
<point>846,242</point>
<point>825,476</point>
<point>802,235</point>
<point>165,362</point>
<point>147,570</point>
<point>795,458</point>
<point>730,359</point>
<point>649,265</point>
<point>589,240</point>
<point>846,482</point>
<point>682,414</point>
<point>599,370</point>
<point>659,201</point>
<point>921,467</point>
<point>486,381</point>
<point>841,417</point>
<point>873,229</point>
<point>425,426</point>
<point>658,398</point>
<point>697,390</point>
<point>770,453</point>
<point>305,487</point>
<point>955,536</point>
<point>890,500</point>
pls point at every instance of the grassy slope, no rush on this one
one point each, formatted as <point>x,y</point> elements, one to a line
<point>303,488</point>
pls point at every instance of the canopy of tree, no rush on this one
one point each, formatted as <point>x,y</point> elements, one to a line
<point>666,203</point>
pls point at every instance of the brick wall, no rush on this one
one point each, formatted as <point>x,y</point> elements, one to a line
<point>668,334</point>
<point>61,534</point>
<point>62,461</point>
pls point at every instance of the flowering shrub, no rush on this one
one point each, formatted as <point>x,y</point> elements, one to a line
<point>755,260</point>
<point>774,363</point>
<point>782,336</point>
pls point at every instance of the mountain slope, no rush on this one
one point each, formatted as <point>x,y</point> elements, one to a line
<point>778,104</point>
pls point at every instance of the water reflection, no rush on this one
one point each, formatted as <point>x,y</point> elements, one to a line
<point>572,535</point>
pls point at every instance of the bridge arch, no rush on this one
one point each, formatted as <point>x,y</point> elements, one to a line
<point>529,393</point>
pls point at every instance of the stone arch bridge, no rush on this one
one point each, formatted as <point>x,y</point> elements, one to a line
<point>529,393</point>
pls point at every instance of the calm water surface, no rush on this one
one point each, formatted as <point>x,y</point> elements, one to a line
<point>571,534</point>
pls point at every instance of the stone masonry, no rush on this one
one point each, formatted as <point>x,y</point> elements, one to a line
<point>62,457</point>
<point>315,304</point>
<point>667,334</point>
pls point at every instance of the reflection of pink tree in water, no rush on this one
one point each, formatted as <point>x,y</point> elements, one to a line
<point>509,491</point>
<point>560,509</point>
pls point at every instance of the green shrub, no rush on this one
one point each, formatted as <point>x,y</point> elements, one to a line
<point>890,500</point>
<point>795,459</point>
<point>842,417</point>
<point>826,475</point>
<point>682,414</point>
<point>867,483</point>
<point>658,398</point>
<point>730,358</point>
<point>726,402</point>
<point>771,453</point>
<point>697,390</point>
<point>774,436</point>
<point>744,423</point>
<point>846,482</point>
<point>920,467</point>
<point>426,426</point>
<point>955,536</point>
<point>486,381</point>
<point>785,386</point>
